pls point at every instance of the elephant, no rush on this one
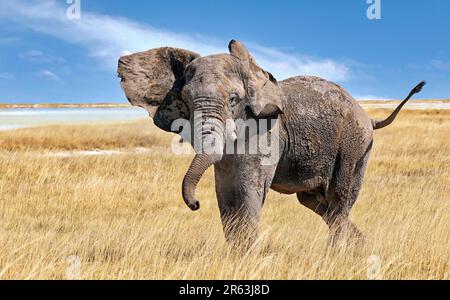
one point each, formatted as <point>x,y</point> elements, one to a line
<point>324,137</point>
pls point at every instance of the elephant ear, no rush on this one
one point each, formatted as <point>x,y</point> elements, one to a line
<point>264,96</point>
<point>154,79</point>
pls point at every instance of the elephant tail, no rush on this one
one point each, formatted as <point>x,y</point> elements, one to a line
<point>384,123</point>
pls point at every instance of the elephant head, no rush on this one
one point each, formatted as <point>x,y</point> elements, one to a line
<point>153,80</point>
<point>178,84</point>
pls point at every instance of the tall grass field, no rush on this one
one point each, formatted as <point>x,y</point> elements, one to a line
<point>104,202</point>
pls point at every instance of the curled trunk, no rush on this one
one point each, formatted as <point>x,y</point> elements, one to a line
<point>208,144</point>
<point>195,172</point>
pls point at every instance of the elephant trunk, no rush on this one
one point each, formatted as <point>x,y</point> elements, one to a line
<point>195,172</point>
<point>209,134</point>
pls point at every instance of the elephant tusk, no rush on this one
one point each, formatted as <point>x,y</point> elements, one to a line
<point>234,136</point>
<point>231,131</point>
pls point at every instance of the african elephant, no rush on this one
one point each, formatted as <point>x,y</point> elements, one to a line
<point>324,136</point>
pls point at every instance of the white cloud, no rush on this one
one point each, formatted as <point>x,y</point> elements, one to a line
<point>370,97</point>
<point>49,75</point>
<point>107,37</point>
<point>36,56</point>
<point>8,40</point>
<point>440,65</point>
<point>289,65</point>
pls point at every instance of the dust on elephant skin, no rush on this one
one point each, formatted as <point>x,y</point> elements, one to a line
<point>324,137</point>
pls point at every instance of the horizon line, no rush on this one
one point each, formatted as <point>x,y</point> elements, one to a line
<point>126,104</point>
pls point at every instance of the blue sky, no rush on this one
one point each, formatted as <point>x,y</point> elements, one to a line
<point>46,57</point>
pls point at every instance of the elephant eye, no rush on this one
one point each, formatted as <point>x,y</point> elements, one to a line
<point>234,98</point>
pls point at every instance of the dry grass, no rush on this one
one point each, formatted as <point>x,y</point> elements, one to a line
<point>123,216</point>
<point>83,137</point>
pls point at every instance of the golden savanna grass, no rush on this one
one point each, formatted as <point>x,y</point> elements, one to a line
<point>122,215</point>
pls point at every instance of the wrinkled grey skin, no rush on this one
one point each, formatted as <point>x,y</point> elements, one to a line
<point>325,137</point>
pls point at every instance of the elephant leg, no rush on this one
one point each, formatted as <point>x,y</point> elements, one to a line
<point>312,201</point>
<point>240,199</point>
<point>341,228</point>
<point>336,218</point>
<point>341,199</point>
<point>240,223</point>
<point>334,215</point>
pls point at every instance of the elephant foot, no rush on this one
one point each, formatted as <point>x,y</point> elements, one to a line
<point>346,236</point>
<point>240,235</point>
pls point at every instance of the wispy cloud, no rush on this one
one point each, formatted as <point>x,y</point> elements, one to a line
<point>370,97</point>
<point>6,76</point>
<point>36,56</point>
<point>46,74</point>
<point>107,38</point>
<point>440,65</point>
<point>288,65</point>
<point>8,40</point>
